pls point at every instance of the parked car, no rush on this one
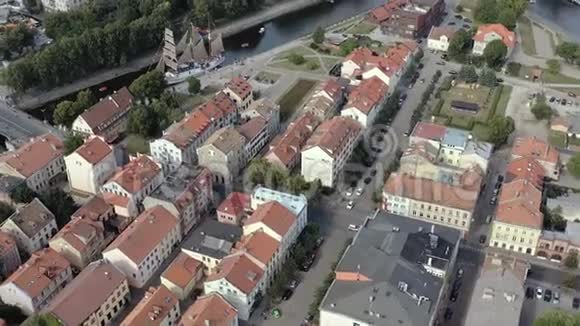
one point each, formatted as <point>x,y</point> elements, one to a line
<point>287,294</point>
<point>466,26</point>
<point>367,180</point>
<point>373,172</point>
<point>350,204</point>
<point>564,101</point>
<point>420,66</point>
<point>548,295</point>
<point>539,293</point>
<point>467,20</point>
<point>451,23</point>
<point>448,314</point>
<point>493,200</point>
<point>453,72</point>
<point>571,94</point>
<point>308,319</point>
<point>576,303</point>
<point>458,16</point>
<point>308,263</point>
<point>444,56</point>
<point>482,239</point>
<point>529,293</point>
<point>359,191</point>
<point>441,63</point>
<point>353,227</point>
<point>422,80</point>
<point>459,273</point>
<point>499,80</point>
<point>552,99</point>
<point>454,295</point>
<point>500,178</point>
<point>293,284</point>
<point>556,298</point>
<point>348,192</point>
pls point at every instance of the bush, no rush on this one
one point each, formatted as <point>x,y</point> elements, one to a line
<point>296,59</point>
<point>513,69</point>
<point>438,106</point>
<point>312,65</point>
<point>459,8</point>
<point>314,46</point>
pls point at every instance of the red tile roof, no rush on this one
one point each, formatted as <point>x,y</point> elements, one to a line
<point>78,232</point>
<point>235,204</point>
<point>286,148</point>
<point>333,135</point>
<point>240,87</point>
<point>94,209</point>
<point>259,245</point>
<point>368,94</point>
<point>332,88</point>
<point>238,270</point>
<point>94,150</point>
<point>535,148</point>
<point>34,155</point>
<point>212,308</point>
<point>508,37</point>
<point>183,270</point>
<point>108,109</point>
<point>275,216</point>
<point>526,168</point>
<point>429,131</point>
<point>193,125</point>
<point>144,234</point>
<point>137,174</point>
<point>155,306</point>
<point>380,14</point>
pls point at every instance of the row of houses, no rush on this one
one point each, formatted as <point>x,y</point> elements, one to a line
<point>408,18</point>
<point>440,37</point>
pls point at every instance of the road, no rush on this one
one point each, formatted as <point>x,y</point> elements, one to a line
<point>18,125</point>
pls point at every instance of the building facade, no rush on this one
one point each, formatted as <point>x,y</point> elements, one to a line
<point>9,256</point>
<point>488,33</point>
<point>80,241</point>
<point>90,166</point>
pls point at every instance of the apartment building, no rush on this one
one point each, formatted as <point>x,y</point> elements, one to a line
<point>440,37</point>
<point>366,101</point>
<point>285,149</point>
<point>240,281</point>
<point>38,161</point>
<point>35,283</point>
<point>9,256</point>
<point>62,5</point>
<point>90,166</point>
<point>108,118</point>
<point>95,209</point>
<point>264,251</point>
<point>488,33</point>
<point>267,110</point>
<point>362,63</point>
<point>95,297</point>
<point>210,309</point>
<point>325,100</point>
<point>408,18</point>
<point>432,201</point>
<point>234,208</point>
<point>182,275</point>
<point>187,193</point>
<point>223,153</point>
<point>31,226</point>
<point>255,131</point>
<point>159,306</point>
<point>144,245</point>
<point>296,204</point>
<point>328,149</point>
<point>80,241</point>
<point>541,151</point>
<point>556,245</point>
<point>136,180</point>
<point>179,142</point>
<point>240,91</point>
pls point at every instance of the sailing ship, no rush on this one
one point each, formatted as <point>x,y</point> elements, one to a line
<point>196,59</point>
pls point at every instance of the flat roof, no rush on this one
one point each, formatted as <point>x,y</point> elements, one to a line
<point>212,238</point>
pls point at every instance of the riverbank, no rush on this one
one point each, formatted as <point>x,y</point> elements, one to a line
<point>33,100</point>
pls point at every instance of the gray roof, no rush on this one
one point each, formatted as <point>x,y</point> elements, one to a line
<point>479,148</point>
<point>212,238</point>
<point>176,183</point>
<point>572,233</point>
<point>391,251</point>
<point>32,217</point>
<point>8,183</point>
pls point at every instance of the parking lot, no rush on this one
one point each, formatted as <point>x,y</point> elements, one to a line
<point>537,304</point>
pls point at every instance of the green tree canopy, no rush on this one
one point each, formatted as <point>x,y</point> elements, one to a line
<point>348,46</point>
<point>571,260</point>
<point>149,85</point>
<point>66,111</point>
<point>60,204</point>
<point>11,314</point>
<point>488,78</point>
<point>459,43</point>
<point>5,212</point>
<point>22,194</point>
<point>486,11</point>
<point>193,85</point>
<point>494,53</point>
<point>568,51</point>
<point>554,66</point>
<point>318,35</point>
<point>507,18</point>
<point>72,142</point>
<point>18,38</point>
<point>142,121</point>
<point>573,165</point>
<point>42,320</point>
<point>296,59</point>
<point>468,74</point>
<point>500,129</point>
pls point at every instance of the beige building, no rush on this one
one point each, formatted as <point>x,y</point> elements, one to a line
<point>159,306</point>
<point>35,283</point>
<point>182,275</point>
<point>80,242</point>
<point>108,118</point>
<point>223,154</point>
<point>432,201</point>
<point>31,226</point>
<point>9,256</point>
<point>325,100</point>
<point>328,150</point>
<point>267,110</point>
<point>144,245</point>
<point>95,297</point>
<point>439,37</point>
<point>210,309</point>
<point>366,101</point>
<point>90,166</point>
<point>240,91</point>
<point>37,161</point>
<point>234,208</point>
<point>556,246</point>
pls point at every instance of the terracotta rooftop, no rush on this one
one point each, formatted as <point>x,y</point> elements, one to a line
<point>236,203</point>
<point>137,174</point>
<point>275,216</point>
<point>191,126</point>
<point>430,191</point>
<point>108,109</point>
<point>240,87</point>
<point>525,168</point>
<point>32,217</point>
<point>153,308</point>
<point>286,147</point>
<point>430,131</point>
<point>183,270</point>
<point>380,14</point>
<point>259,245</point>
<point>7,243</point>
<point>113,199</point>
<point>521,189</point>
<point>438,31</point>
<point>144,234</point>
<point>37,274</point>
<point>72,306</point>
<point>252,128</point>
<point>94,209</point>
<point>94,150</point>
<point>210,309</point>
<point>34,155</point>
<point>536,148</point>
<point>333,135</point>
<point>238,270</point>
<point>331,88</point>
<point>508,37</point>
<point>520,213</point>
<point>79,232</point>
<point>368,94</point>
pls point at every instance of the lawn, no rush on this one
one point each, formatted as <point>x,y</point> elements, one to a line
<point>548,77</point>
<point>525,30</point>
<point>292,99</point>
<point>301,50</point>
<point>137,144</point>
<point>503,100</point>
<point>303,67</point>
<point>557,139</point>
<point>364,27</point>
<point>267,77</point>
<point>481,96</point>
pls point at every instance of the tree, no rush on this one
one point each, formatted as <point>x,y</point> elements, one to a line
<point>513,68</point>
<point>275,178</point>
<point>557,318</point>
<point>296,59</point>
<point>458,43</point>
<point>568,51</point>
<point>488,78</point>
<point>22,194</point>
<point>553,219</point>
<point>468,74</point>
<point>569,281</point>
<point>507,18</point>
<point>42,320</point>
<point>141,121</point>
<point>19,37</point>
<point>542,111</point>
<point>573,165</point>
<point>193,85</point>
<point>348,46</point>
<point>64,113</point>
<point>500,129</point>
<point>12,314</point>
<point>318,35</point>
<point>72,142</point>
<point>257,170</point>
<point>486,11</point>
<point>554,66</point>
<point>149,85</point>
<point>494,53</point>
<point>571,260</point>
<point>296,184</point>
<point>60,204</point>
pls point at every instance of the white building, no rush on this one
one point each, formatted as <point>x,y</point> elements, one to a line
<point>32,225</point>
<point>90,166</point>
<point>328,149</point>
<point>366,101</point>
<point>439,38</point>
<point>35,283</point>
<point>144,245</point>
<point>488,33</point>
<point>37,161</point>
<point>298,205</point>
<point>63,5</point>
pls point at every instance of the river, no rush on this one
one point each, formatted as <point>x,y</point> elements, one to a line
<point>560,15</point>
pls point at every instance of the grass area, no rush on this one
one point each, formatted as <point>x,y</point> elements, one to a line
<point>364,27</point>
<point>481,131</point>
<point>503,100</point>
<point>267,77</point>
<point>557,138</point>
<point>525,30</point>
<point>574,141</point>
<point>294,97</point>
<point>137,144</point>
<point>479,96</point>
<point>306,66</point>
<point>301,50</point>
<point>548,77</point>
